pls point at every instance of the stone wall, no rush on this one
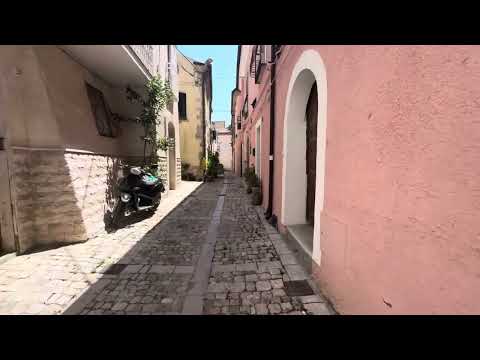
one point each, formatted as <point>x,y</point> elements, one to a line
<point>163,170</point>
<point>62,197</point>
<point>179,170</point>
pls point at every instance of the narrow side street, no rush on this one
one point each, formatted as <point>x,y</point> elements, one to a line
<point>213,254</point>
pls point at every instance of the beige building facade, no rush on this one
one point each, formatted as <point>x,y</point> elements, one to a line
<point>195,109</point>
<point>223,144</point>
<point>62,147</point>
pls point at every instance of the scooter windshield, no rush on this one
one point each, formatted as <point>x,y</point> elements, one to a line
<point>149,179</point>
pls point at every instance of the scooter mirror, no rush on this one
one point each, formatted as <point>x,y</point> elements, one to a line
<point>136,170</point>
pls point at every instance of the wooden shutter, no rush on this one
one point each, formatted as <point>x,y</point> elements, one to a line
<point>182,106</point>
<point>100,111</point>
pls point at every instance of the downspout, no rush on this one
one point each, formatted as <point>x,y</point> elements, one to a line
<point>203,123</point>
<point>269,213</point>
<point>204,140</point>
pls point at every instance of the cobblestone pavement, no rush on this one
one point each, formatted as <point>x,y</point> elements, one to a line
<point>252,265</point>
<point>212,254</point>
<point>52,281</point>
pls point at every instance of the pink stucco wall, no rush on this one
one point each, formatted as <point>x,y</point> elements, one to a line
<point>402,190</point>
<point>260,113</point>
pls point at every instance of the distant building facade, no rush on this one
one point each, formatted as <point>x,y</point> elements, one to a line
<point>195,110</point>
<point>222,144</point>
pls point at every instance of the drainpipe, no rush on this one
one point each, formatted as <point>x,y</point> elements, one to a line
<point>203,121</point>
<point>269,213</point>
<point>206,67</point>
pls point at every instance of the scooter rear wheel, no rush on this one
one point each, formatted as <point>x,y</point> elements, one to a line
<point>117,213</point>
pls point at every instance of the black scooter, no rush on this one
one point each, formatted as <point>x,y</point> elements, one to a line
<point>139,191</point>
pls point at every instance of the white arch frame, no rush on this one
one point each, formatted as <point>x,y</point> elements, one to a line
<point>308,69</point>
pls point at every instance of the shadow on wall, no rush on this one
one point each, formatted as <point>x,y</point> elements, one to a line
<point>153,276</point>
<point>46,205</point>
<point>64,198</point>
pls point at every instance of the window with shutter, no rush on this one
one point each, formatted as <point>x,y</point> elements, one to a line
<point>257,61</point>
<point>182,106</point>
<point>101,112</point>
<point>245,108</point>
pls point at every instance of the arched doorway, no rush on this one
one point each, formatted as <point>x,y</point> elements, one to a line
<point>172,166</point>
<point>304,147</point>
<point>311,153</point>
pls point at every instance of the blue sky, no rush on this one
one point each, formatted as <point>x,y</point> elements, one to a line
<point>224,67</point>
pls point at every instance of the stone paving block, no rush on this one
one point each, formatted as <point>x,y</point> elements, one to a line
<point>274,308</point>
<point>263,285</point>
<point>132,269</point>
<point>276,271</point>
<point>250,286</point>
<point>265,276</point>
<point>236,287</point>
<point>217,287</point>
<point>288,259</point>
<point>278,292</point>
<point>296,272</point>
<point>64,300</point>
<point>133,308</point>
<point>317,309</point>
<point>261,309</point>
<point>223,268</point>
<point>162,269</point>
<point>266,266</point>
<point>286,307</point>
<point>119,306</point>
<point>277,283</point>
<point>246,267</point>
<point>311,299</point>
<point>184,269</point>
<point>37,309</point>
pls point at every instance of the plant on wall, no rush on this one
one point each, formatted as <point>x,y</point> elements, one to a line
<point>212,164</point>
<point>166,143</point>
<point>159,96</point>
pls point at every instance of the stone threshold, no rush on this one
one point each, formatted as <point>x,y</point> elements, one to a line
<point>294,255</point>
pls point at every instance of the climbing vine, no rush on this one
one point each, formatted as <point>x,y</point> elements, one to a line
<point>159,96</point>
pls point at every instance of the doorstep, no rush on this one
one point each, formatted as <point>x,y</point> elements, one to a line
<point>300,237</point>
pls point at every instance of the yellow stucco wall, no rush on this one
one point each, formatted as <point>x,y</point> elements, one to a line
<point>192,129</point>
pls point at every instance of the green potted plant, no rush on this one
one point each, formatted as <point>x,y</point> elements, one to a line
<point>249,177</point>
<point>256,191</point>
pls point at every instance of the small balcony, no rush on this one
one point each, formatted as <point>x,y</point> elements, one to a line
<point>145,53</point>
<point>120,65</point>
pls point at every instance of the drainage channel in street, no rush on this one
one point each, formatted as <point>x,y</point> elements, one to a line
<point>193,304</point>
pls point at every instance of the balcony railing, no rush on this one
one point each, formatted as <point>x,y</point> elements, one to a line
<point>145,54</point>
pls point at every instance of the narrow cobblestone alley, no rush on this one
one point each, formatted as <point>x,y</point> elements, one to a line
<point>213,254</point>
